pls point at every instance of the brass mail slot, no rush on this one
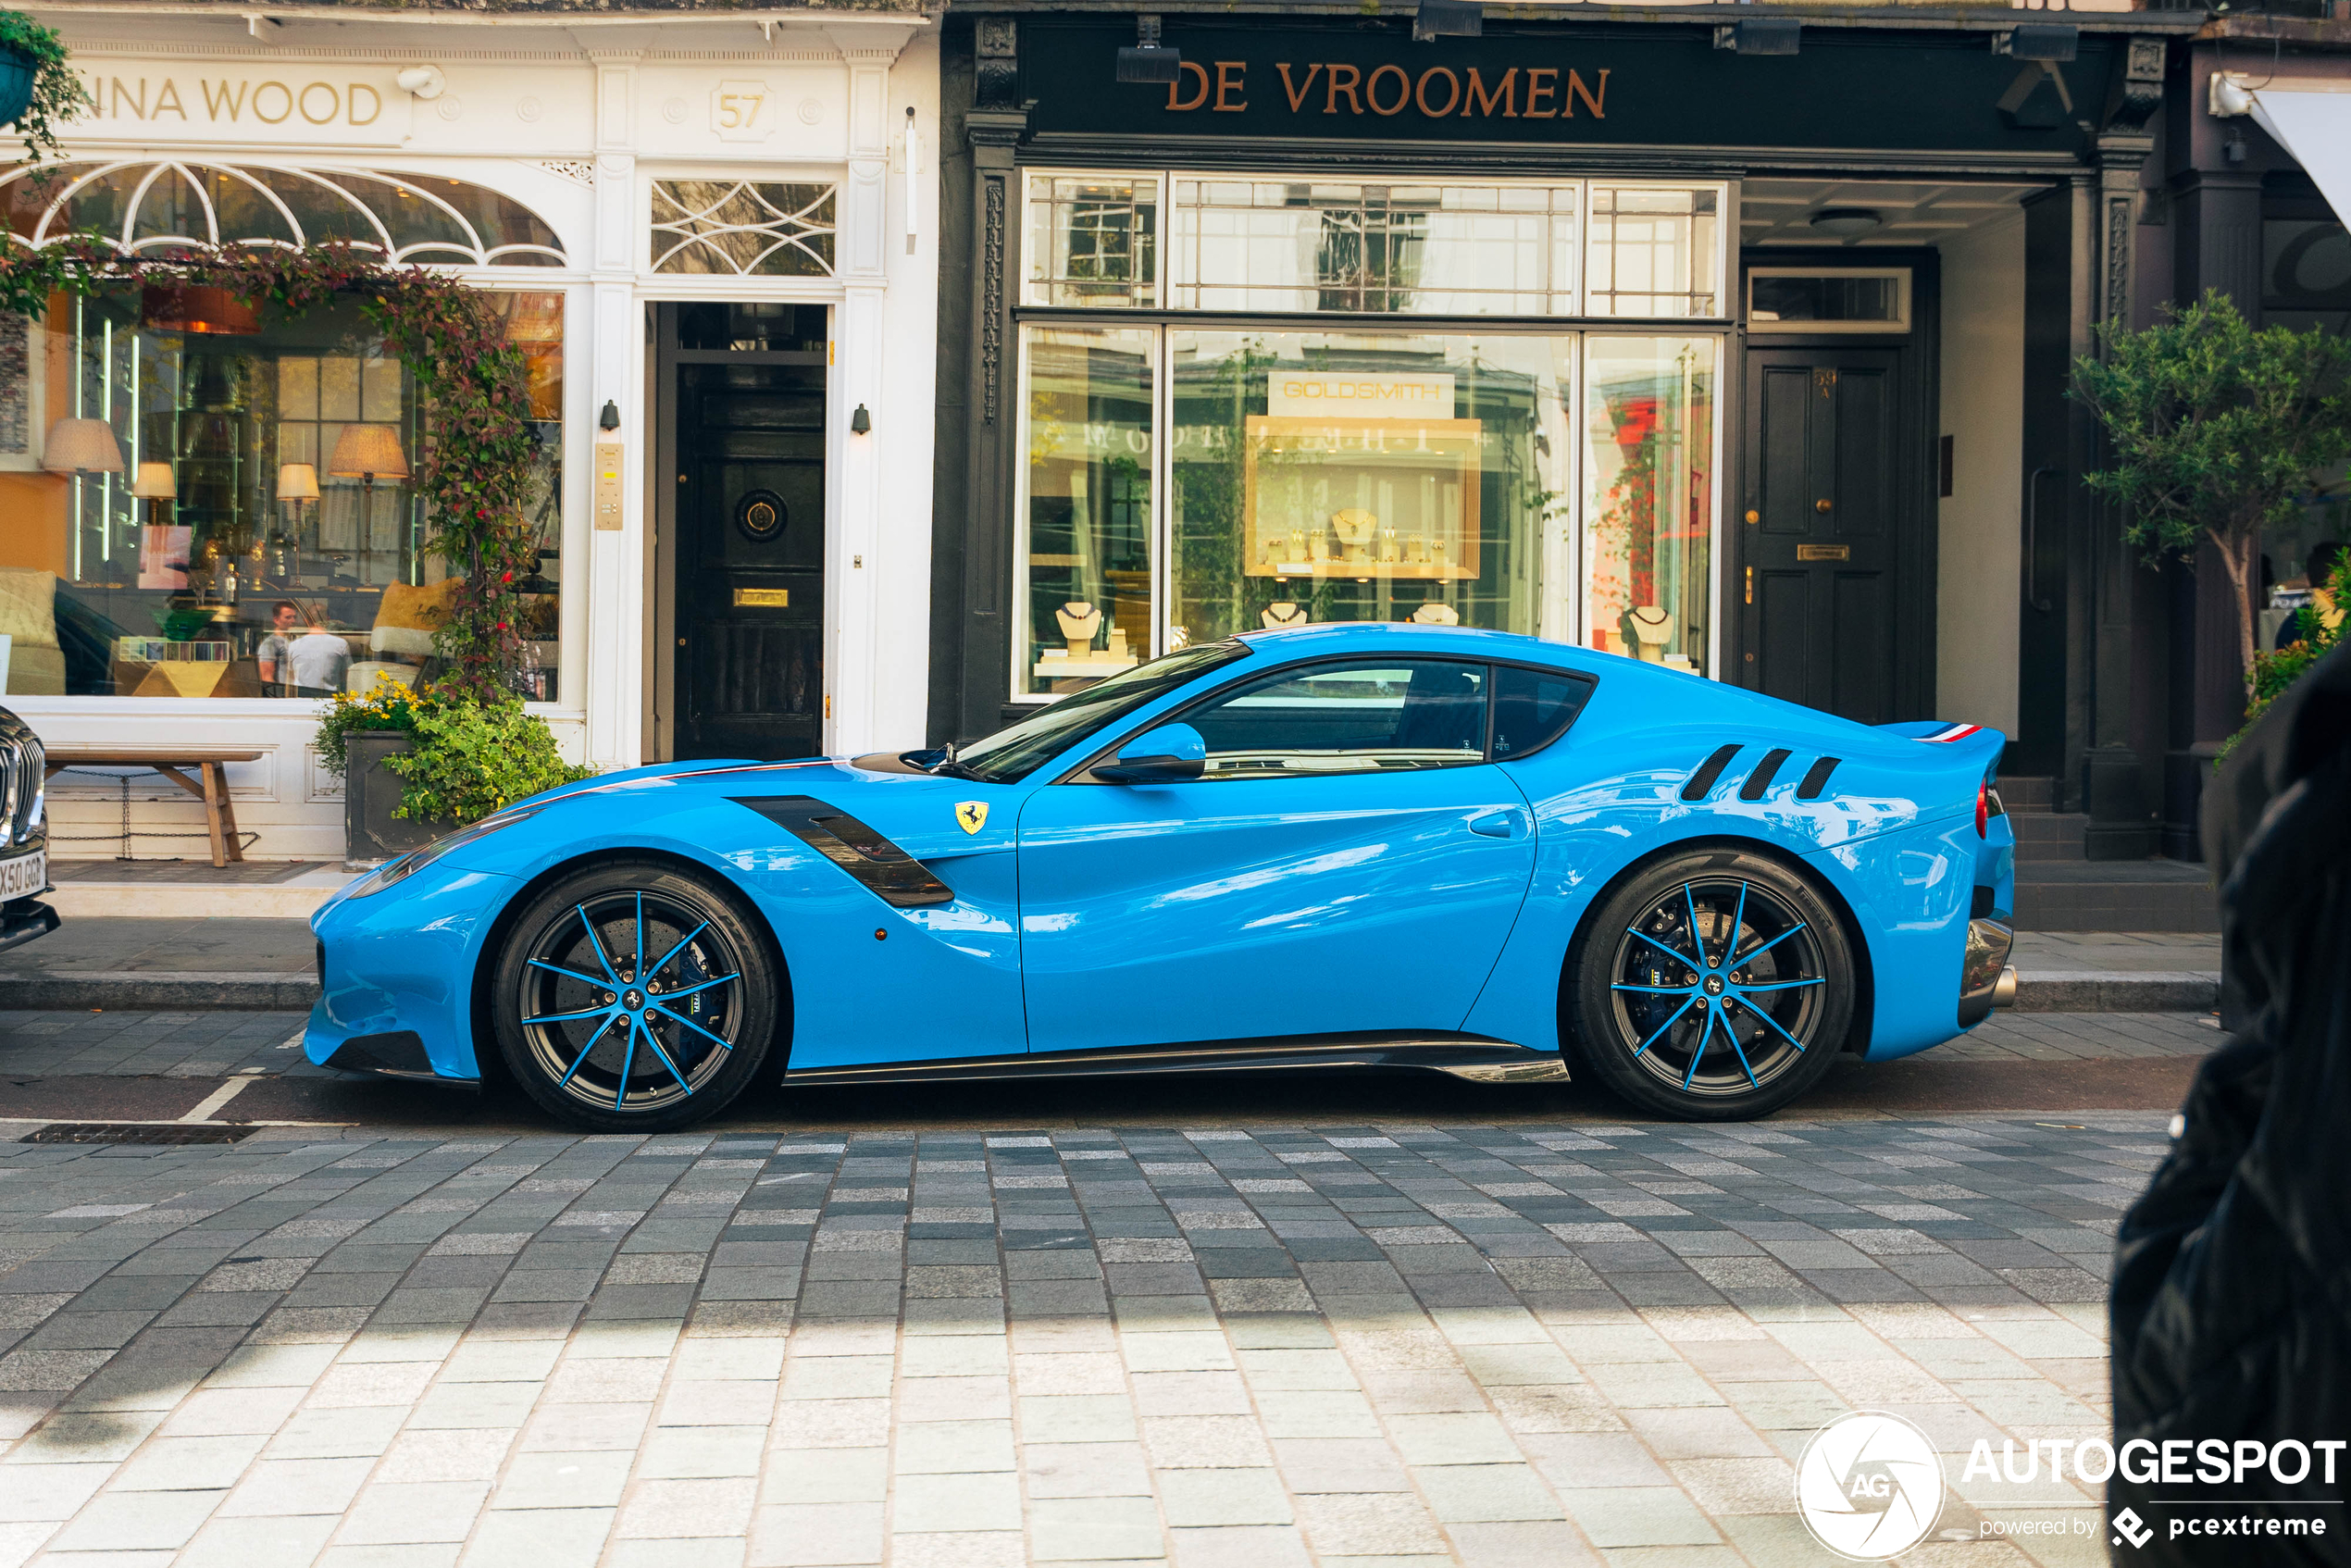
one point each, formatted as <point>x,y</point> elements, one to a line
<point>1825,552</point>
<point>762,598</point>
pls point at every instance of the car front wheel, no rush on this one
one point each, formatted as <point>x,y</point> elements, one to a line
<point>634,996</point>
<point>1714,986</point>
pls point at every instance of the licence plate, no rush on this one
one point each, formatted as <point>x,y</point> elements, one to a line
<point>24,876</point>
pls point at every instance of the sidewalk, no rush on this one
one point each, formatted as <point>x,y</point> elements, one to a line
<point>265,965</point>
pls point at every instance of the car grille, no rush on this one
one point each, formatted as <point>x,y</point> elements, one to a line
<point>23,768</point>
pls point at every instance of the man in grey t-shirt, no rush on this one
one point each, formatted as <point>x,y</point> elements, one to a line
<point>283,615</point>
<point>320,660</point>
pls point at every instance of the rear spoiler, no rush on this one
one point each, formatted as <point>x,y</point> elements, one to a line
<point>1972,740</point>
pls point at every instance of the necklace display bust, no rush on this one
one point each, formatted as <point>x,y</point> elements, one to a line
<point>1281,612</point>
<point>1652,629</point>
<point>1079,621</point>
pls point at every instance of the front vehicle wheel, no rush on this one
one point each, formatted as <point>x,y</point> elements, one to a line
<point>1715,986</point>
<point>634,996</point>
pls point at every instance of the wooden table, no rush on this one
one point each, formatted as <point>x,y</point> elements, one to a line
<point>220,810</point>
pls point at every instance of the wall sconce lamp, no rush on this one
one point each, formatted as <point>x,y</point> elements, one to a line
<point>610,418</point>
<point>861,422</point>
<point>1149,61</point>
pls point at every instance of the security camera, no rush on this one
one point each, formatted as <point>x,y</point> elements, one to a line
<point>423,82</point>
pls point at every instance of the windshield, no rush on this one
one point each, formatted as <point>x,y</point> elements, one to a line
<point>1013,751</point>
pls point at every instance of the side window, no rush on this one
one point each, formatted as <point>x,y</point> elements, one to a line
<point>1534,707</point>
<point>1348,718</point>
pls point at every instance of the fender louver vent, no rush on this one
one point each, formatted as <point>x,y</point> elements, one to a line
<point>1761,780</point>
<point>878,865</point>
<point>1816,779</point>
<point>1707,772</point>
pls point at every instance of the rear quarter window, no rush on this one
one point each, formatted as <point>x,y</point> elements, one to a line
<point>1535,707</point>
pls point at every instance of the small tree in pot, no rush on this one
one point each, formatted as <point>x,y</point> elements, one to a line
<point>2214,430</point>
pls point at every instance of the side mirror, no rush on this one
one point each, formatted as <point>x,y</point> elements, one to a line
<point>1169,755</point>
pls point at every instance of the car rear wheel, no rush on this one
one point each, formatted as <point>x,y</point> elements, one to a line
<point>634,996</point>
<point>1715,986</point>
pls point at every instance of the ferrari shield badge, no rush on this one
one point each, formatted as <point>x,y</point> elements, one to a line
<point>972,815</point>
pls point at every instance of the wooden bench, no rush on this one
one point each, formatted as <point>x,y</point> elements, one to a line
<point>220,810</point>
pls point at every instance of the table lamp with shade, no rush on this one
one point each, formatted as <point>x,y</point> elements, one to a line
<point>154,482</point>
<point>367,453</point>
<point>82,446</point>
<point>297,482</point>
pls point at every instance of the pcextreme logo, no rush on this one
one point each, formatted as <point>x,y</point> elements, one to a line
<point>1869,1485</point>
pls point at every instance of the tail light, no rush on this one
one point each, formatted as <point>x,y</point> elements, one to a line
<point>1983,808</point>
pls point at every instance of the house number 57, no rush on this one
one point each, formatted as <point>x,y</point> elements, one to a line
<point>738,111</point>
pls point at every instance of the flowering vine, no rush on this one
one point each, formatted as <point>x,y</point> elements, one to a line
<point>474,470</point>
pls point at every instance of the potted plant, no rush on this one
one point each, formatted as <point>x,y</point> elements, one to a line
<point>415,763</point>
<point>38,90</point>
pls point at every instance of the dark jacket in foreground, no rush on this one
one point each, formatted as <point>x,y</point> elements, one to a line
<point>2232,1301</point>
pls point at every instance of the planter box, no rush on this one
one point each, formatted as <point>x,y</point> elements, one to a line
<point>370,793</point>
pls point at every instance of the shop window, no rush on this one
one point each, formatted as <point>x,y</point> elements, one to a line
<point>1369,717</point>
<point>1653,252</point>
<point>1363,475</point>
<point>1648,503</point>
<point>1092,240</point>
<point>743,227</point>
<point>1430,250</point>
<point>179,208</point>
<point>240,550</point>
<point>1085,562</point>
<point>1834,299</point>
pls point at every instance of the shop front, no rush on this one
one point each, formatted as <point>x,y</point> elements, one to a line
<point>1672,341</point>
<point>212,521</point>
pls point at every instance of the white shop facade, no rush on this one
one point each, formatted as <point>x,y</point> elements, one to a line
<point>702,235</point>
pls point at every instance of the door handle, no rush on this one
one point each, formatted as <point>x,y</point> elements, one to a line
<point>1823,505</point>
<point>1496,823</point>
<point>2033,540</point>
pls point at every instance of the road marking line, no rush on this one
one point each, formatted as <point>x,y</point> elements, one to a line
<point>220,1097</point>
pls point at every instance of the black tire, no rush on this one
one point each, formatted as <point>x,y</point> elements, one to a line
<point>576,1001</point>
<point>1729,1039</point>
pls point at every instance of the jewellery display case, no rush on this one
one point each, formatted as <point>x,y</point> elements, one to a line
<point>1367,498</point>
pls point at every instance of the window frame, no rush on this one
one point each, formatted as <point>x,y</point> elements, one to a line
<point>1082,773</point>
<point>1161,179</point>
<point>1899,327</point>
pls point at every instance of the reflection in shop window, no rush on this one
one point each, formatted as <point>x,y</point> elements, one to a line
<point>1092,240</point>
<point>1431,250</point>
<point>1648,467</point>
<point>1085,564</point>
<point>1653,252</point>
<point>242,549</point>
<point>743,227</point>
<point>1363,475</point>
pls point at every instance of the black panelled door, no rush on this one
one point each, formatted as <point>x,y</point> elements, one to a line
<point>750,555</point>
<point>1820,527</point>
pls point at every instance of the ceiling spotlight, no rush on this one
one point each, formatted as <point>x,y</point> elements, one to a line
<point>1449,18</point>
<point>1846,222</point>
<point>1150,61</point>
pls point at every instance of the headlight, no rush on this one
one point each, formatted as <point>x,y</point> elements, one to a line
<point>407,866</point>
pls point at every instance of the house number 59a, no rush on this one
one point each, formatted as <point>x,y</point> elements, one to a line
<point>741,111</point>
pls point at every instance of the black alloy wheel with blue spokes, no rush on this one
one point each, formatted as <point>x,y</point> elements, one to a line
<point>634,995</point>
<point>1715,986</point>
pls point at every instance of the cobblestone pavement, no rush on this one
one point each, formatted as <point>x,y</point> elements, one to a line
<point>1554,1343</point>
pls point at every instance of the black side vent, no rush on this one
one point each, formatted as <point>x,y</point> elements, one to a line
<point>137,1132</point>
<point>1816,779</point>
<point>1761,780</point>
<point>879,866</point>
<point>1707,772</point>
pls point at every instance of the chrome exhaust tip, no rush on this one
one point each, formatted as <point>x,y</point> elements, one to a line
<point>2004,988</point>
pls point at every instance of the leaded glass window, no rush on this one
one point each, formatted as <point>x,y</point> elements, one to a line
<point>743,227</point>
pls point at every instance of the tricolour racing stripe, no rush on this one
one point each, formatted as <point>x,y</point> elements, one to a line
<point>1955,732</point>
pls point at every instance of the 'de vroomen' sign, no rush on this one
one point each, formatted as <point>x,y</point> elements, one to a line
<point>1336,87</point>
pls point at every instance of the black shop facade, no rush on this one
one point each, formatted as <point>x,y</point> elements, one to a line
<point>1735,346</point>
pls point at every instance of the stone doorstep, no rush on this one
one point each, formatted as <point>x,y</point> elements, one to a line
<point>2038,990</point>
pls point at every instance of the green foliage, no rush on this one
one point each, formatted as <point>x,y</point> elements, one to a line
<point>474,473</point>
<point>470,759</point>
<point>2272,673</point>
<point>57,93</point>
<point>391,705</point>
<point>2215,430</point>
